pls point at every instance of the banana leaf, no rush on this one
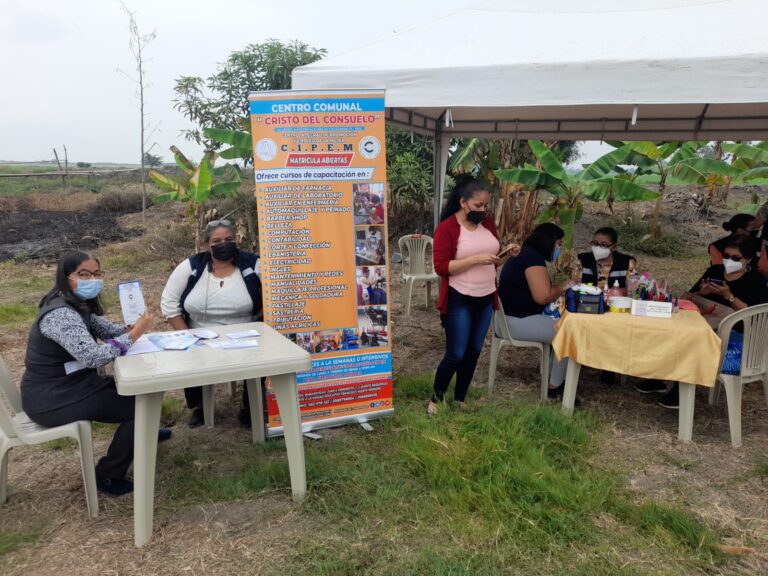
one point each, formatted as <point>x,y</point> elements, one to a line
<point>183,162</point>
<point>168,183</point>
<point>234,138</point>
<point>747,151</point>
<point>749,208</point>
<point>549,161</point>
<point>162,198</point>
<point>235,153</point>
<point>645,148</point>
<point>754,173</point>
<point>201,181</point>
<point>224,189</point>
<point>695,170</point>
<point>605,164</point>
<point>617,189</point>
<point>530,178</point>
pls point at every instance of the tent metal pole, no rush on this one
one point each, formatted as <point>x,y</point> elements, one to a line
<point>436,176</point>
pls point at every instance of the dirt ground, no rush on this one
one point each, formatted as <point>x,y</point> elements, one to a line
<point>725,486</point>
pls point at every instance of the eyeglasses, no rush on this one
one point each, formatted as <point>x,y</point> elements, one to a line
<point>87,274</point>
<point>217,223</point>
<point>602,245</point>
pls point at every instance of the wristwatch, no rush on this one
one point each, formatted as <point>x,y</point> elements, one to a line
<point>732,298</point>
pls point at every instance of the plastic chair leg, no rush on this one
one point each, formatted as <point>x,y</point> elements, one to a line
<point>546,364</point>
<point>231,389</point>
<point>89,470</point>
<point>5,449</point>
<point>208,406</point>
<point>714,392</point>
<point>571,384</point>
<point>407,295</point>
<point>495,349</point>
<point>765,387</point>
<point>733,389</point>
<point>429,292</point>
<point>685,416</point>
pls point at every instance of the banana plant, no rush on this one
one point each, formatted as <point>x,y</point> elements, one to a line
<point>678,159</point>
<point>195,186</point>
<point>753,160</point>
<point>240,142</point>
<point>599,181</point>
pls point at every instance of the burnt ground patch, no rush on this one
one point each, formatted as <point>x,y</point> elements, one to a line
<point>27,234</point>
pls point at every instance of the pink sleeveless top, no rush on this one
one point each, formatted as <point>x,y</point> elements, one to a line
<point>478,280</point>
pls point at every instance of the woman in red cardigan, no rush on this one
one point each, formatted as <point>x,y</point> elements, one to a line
<point>465,252</point>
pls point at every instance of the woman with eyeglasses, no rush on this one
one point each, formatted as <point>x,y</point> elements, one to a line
<point>61,383</point>
<point>216,287</point>
<point>738,225</point>
<point>604,264</point>
<point>735,283</point>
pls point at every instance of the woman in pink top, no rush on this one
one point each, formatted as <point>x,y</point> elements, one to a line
<point>465,256</point>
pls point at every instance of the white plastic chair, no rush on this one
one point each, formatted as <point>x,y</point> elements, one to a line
<point>16,429</point>
<point>502,337</point>
<point>413,248</point>
<point>754,362</point>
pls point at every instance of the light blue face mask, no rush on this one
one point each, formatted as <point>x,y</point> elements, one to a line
<point>88,289</point>
<point>556,253</point>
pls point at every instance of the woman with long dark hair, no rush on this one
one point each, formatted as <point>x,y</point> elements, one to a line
<point>525,289</point>
<point>466,249</point>
<point>738,225</point>
<point>61,383</point>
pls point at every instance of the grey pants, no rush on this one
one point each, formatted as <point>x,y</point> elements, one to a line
<point>539,328</point>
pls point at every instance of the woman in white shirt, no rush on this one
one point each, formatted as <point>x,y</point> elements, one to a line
<point>216,287</point>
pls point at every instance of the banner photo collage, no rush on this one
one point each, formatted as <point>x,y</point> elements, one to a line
<point>320,172</point>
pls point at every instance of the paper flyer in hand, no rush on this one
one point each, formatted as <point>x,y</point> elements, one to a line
<point>131,301</point>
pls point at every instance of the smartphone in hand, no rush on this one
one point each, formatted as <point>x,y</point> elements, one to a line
<point>716,281</point>
<point>506,251</point>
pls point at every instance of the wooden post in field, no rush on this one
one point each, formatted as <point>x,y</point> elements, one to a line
<point>66,167</point>
<point>56,155</point>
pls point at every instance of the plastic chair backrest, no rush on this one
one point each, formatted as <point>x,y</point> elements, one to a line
<point>500,326</point>
<point>416,245</point>
<point>10,401</point>
<point>754,355</point>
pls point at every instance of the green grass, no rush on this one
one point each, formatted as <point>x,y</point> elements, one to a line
<point>635,239</point>
<point>17,315</point>
<point>472,492</point>
<point>11,540</point>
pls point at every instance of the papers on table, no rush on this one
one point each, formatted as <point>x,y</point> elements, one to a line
<point>131,301</point>
<point>242,334</point>
<point>232,344</point>
<point>203,333</point>
<point>142,346</point>
<point>174,340</point>
<point>185,339</point>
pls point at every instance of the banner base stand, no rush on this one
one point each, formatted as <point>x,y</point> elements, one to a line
<point>312,436</point>
<point>365,426</point>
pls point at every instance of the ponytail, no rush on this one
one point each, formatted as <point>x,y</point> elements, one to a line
<point>466,186</point>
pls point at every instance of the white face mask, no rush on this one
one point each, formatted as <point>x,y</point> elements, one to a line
<point>732,266</point>
<point>600,252</point>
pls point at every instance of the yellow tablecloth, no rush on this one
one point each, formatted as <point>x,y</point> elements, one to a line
<point>683,348</point>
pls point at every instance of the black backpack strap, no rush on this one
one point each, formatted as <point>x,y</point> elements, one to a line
<point>247,264</point>
<point>198,263</point>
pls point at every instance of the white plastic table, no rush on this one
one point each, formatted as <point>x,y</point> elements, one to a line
<point>149,376</point>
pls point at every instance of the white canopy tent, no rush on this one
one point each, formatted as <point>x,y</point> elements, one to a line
<point>569,70</point>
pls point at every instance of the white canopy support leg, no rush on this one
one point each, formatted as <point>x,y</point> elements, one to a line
<point>442,143</point>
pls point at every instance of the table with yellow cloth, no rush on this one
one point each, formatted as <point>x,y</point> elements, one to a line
<point>682,348</point>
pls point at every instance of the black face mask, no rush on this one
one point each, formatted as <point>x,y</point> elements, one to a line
<point>225,252</point>
<point>476,216</point>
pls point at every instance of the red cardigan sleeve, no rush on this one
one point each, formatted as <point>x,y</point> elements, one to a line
<point>444,246</point>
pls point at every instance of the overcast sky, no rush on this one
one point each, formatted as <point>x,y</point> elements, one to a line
<point>59,62</point>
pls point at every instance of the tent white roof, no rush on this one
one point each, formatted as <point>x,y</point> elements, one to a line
<point>571,70</point>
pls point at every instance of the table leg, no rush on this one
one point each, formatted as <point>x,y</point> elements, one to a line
<point>256,403</point>
<point>571,383</point>
<point>208,406</point>
<point>685,423</point>
<point>148,408</point>
<point>286,393</point>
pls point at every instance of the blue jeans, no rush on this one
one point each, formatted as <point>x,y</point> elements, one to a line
<point>466,325</point>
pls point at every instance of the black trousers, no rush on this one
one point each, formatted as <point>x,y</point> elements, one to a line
<point>194,397</point>
<point>103,406</point>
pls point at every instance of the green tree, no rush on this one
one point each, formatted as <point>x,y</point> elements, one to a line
<point>152,160</point>
<point>221,100</point>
